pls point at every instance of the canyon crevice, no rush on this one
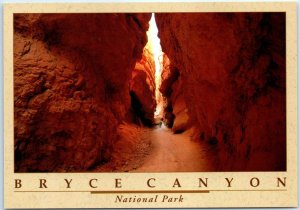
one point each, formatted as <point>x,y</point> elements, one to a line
<point>85,92</point>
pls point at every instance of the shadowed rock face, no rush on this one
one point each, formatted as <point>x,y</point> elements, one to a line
<point>227,71</point>
<point>142,89</point>
<point>71,86</point>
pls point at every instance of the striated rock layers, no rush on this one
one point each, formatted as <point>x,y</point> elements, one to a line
<point>226,79</point>
<point>71,86</point>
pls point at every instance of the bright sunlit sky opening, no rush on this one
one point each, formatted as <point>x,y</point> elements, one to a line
<point>155,46</point>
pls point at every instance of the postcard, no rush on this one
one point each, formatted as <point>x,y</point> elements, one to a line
<point>150,105</point>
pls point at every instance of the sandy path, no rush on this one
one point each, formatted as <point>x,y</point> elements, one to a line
<point>173,153</point>
<point>156,150</point>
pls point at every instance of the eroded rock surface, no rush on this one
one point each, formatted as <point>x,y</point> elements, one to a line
<point>227,71</point>
<point>142,89</point>
<point>71,86</point>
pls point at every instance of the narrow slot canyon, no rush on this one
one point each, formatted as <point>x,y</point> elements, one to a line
<point>142,92</point>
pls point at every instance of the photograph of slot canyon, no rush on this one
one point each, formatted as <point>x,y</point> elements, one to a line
<point>149,92</point>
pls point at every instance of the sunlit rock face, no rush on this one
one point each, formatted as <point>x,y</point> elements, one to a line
<point>71,86</point>
<point>142,89</point>
<point>227,73</point>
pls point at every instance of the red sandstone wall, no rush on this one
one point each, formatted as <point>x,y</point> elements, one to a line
<point>173,92</point>
<point>231,71</point>
<point>71,85</point>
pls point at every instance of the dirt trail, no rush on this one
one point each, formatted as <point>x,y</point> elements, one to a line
<point>174,153</point>
<point>156,150</point>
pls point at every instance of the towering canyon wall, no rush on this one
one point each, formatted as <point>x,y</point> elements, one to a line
<point>72,77</point>
<point>227,72</point>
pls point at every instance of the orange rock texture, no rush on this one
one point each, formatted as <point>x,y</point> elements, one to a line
<point>226,79</point>
<point>142,89</point>
<point>71,86</point>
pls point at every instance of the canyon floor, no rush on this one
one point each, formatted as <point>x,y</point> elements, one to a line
<point>158,150</point>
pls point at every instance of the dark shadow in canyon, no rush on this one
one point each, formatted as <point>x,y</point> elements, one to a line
<point>138,112</point>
